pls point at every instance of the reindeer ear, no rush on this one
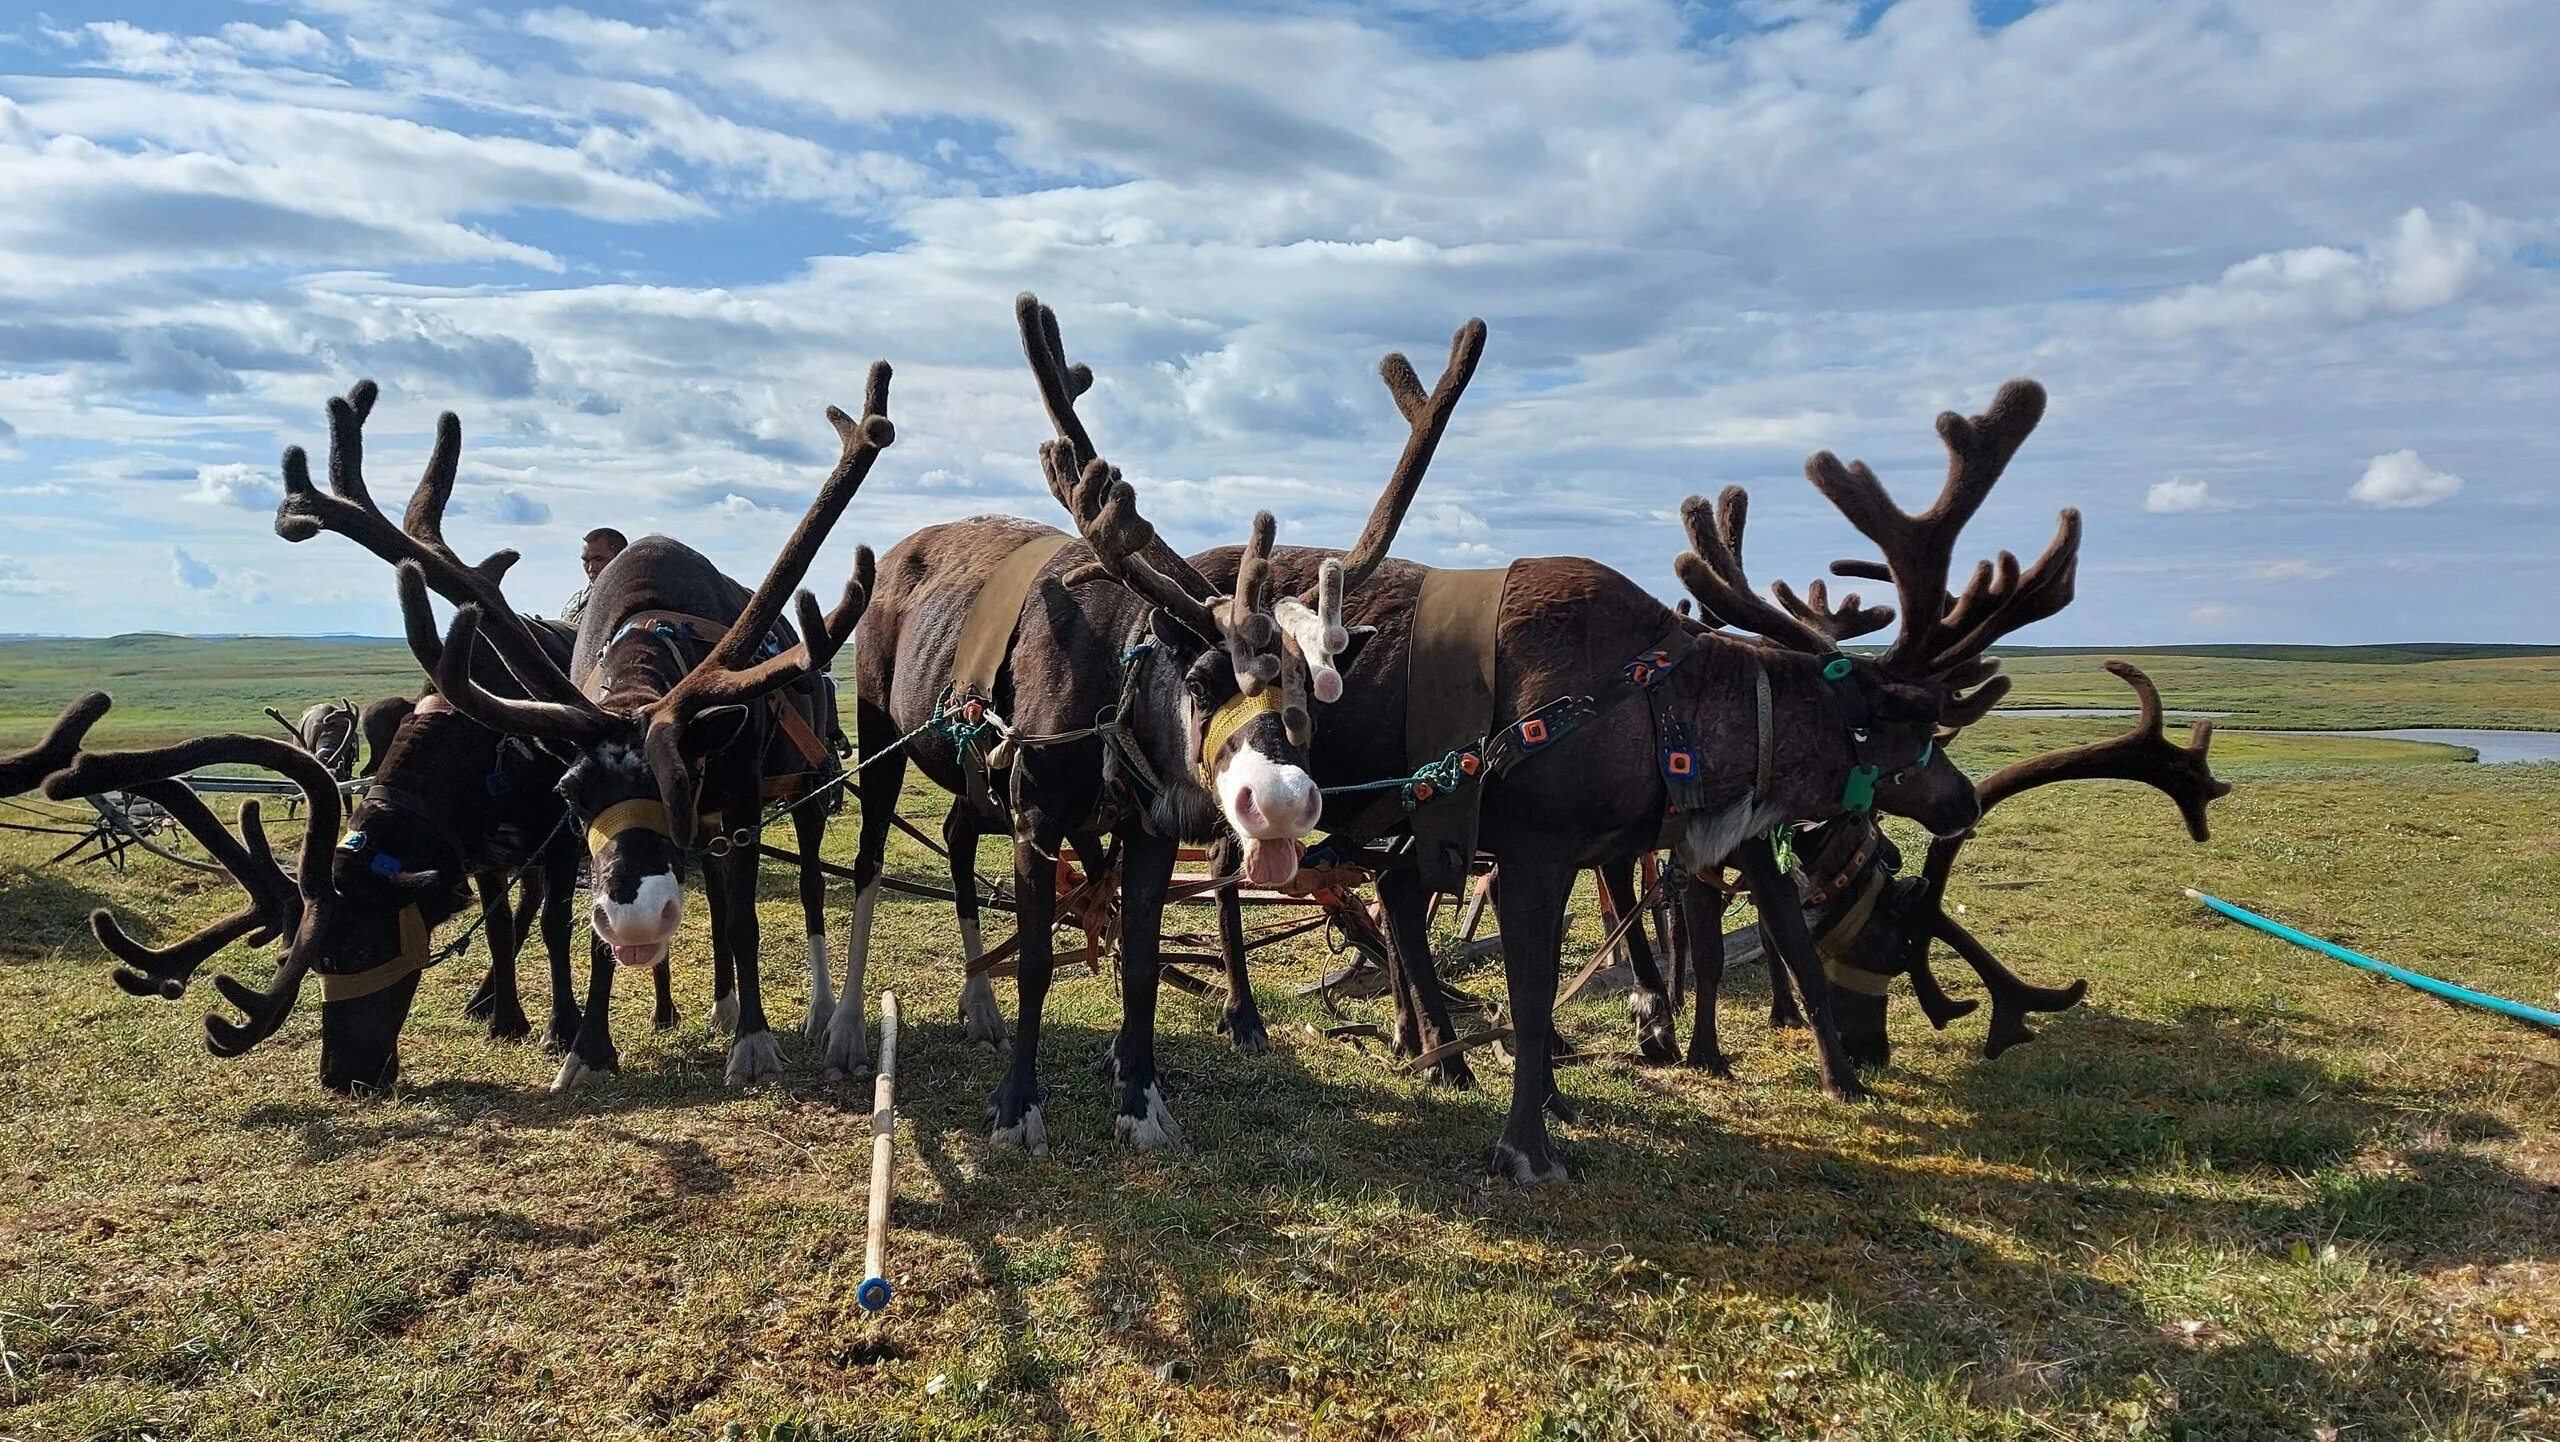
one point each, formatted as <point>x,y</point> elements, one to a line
<point>1170,630</point>
<point>713,730</point>
<point>1349,655</point>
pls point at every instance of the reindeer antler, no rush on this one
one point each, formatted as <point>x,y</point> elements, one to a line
<point>276,900</point>
<point>724,677</point>
<point>1105,512</point>
<point>1060,383</point>
<point>1712,571</point>
<point>25,770</point>
<point>1428,415</point>
<point>729,675</point>
<point>1940,633</point>
<point>2144,753</point>
<point>348,508</point>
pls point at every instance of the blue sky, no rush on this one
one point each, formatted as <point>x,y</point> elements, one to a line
<point>2287,271</point>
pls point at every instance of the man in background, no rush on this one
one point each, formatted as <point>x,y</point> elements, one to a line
<point>602,545</point>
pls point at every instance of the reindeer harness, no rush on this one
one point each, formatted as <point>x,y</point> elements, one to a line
<point>986,639</point>
<point>1449,708</point>
<point>676,628</point>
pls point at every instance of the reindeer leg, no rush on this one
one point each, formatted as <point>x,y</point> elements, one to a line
<point>754,1056</point>
<point>1774,896</point>
<point>1241,1021</point>
<point>1657,1037</point>
<point>592,1054</point>
<point>1531,907</point>
<point>1702,917</point>
<point>981,1018</point>
<point>1422,1008</point>
<point>501,1003</point>
<point>1018,1120</point>
<point>809,832</point>
<point>883,773</point>
<point>1146,870</point>
<point>724,962</point>
<point>559,900</point>
<point>1783,1012</point>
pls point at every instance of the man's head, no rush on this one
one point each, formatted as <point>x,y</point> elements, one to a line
<point>602,545</point>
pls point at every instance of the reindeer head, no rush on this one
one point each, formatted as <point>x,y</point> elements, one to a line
<point>1254,665</point>
<point>636,754</point>
<point>317,911</point>
<point>1896,708</point>
<point>1911,911</point>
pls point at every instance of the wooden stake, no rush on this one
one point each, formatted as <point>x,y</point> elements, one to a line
<point>874,1292</point>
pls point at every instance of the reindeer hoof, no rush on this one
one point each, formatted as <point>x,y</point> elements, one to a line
<point>724,1014</point>
<point>1244,1029</point>
<point>822,1010</point>
<point>755,1059</point>
<point>1031,1134</point>
<point>1714,1063</point>
<point>1150,1130</point>
<point>576,1071</point>
<point>1452,1072</point>
<point>981,1019</point>
<point>848,1047</point>
<point>1528,1168</point>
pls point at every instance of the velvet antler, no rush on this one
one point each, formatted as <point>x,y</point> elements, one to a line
<point>1427,413</point>
<point>24,770</point>
<point>1712,571</point>
<point>276,900</point>
<point>2144,753</point>
<point>1060,384</point>
<point>348,508</point>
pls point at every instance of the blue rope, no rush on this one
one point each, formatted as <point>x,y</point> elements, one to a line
<point>2418,979</point>
<point>1439,777</point>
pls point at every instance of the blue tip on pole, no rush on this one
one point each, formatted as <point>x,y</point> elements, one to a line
<point>2464,995</point>
<point>873,1294</point>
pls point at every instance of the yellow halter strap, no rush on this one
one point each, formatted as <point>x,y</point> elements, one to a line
<point>1230,718</point>
<point>413,958</point>
<point>640,813</point>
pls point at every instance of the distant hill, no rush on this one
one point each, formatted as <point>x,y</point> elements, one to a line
<point>2397,653</point>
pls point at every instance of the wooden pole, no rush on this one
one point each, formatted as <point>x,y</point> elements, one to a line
<point>874,1292</point>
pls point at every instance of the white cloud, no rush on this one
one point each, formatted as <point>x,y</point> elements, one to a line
<point>233,484</point>
<point>638,257</point>
<point>2401,481</point>
<point>191,573</point>
<point>2423,263</point>
<point>17,580</point>
<point>2178,495</point>
<point>511,507</point>
<point>2292,570</point>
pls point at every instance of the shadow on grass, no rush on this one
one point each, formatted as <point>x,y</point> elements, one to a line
<point>44,911</point>
<point>2113,1133</point>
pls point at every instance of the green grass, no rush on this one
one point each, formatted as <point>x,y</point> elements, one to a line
<point>2242,1192</point>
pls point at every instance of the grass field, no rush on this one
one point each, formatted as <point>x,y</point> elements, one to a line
<point>2242,1192</point>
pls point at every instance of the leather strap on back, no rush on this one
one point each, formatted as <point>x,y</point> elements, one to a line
<point>1449,706</point>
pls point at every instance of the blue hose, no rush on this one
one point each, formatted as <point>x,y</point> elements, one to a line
<point>2428,984</point>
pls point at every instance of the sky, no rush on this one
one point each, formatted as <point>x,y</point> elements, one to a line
<point>2291,274</point>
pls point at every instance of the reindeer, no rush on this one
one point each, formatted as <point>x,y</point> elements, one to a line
<point>1872,924</point>
<point>655,705</point>
<point>1155,710</point>
<point>1575,641</point>
<point>330,731</point>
